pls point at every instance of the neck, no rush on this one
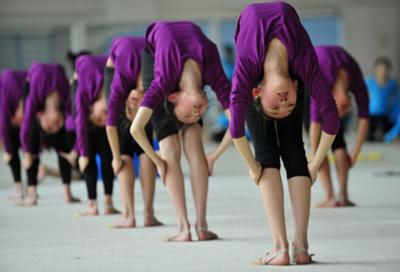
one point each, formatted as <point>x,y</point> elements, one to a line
<point>190,77</point>
<point>276,61</point>
<point>382,80</point>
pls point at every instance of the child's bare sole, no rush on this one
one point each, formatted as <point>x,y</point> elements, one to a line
<point>109,210</point>
<point>346,203</point>
<point>280,257</point>
<point>206,235</point>
<point>89,212</point>
<point>152,222</point>
<point>331,203</point>
<point>124,223</point>
<point>185,236</point>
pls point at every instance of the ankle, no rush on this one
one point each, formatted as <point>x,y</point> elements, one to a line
<point>201,224</point>
<point>184,227</point>
<point>343,196</point>
<point>92,203</point>
<point>148,213</point>
<point>281,245</point>
<point>300,243</point>
<point>108,201</point>
<point>32,191</point>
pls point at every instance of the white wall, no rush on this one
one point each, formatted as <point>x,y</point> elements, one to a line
<point>371,28</point>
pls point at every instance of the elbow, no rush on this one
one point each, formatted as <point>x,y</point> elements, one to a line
<point>134,130</point>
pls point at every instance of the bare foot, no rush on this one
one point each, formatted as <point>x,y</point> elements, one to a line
<point>124,223</point>
<point>109,209</point>
<point>301,256</point>
<point>206,235</point>
<point>151,221</point>
<point>280,257</point>
<point>345,202</point>
<point>90,211</point>
<point>330,203</point>
<point>184,236</point>
<point>30,201</point>
<point>19,200</point>
<point>71,199</point>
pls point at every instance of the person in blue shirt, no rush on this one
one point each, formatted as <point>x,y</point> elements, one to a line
<point>383,93</point>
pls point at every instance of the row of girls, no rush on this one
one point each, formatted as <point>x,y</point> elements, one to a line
<point>152,86</point>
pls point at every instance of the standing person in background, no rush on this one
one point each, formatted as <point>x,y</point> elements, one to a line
<point>123,80</point>
<point>343,75</point>
<point>179,60</point>
<point>11,114</point>
<point>47,104</point>
<point>91,114</point>
<point>383,92</point>
<point>274,60</point>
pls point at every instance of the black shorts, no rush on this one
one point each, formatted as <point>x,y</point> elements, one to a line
<point>339,141</point>
<point>128,146</point>
<point>275,139</point>
<point>163,121</point>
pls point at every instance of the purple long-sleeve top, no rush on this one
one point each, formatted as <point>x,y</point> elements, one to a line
<point>172,44</point>
<point>11,91</point>
<point>90,71</point>
<point>257,25</point>
<point>43,80</point>
<point>125,53</point>
<point>331,60</point>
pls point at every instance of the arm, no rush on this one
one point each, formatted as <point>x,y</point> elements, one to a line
<point>26,126</point>
<point>82,109</point>
<point>113,140</point>
<point>243,147</point>
<point>322,149</point>
<point>138,132</point>
<point>225,143</point>
<point>362,130</point>
<point>315,134</point>
<point>5,125</point>
<point>216,78</point>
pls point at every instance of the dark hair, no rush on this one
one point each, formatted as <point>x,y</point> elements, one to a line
<point>382,60</point>
<point>72,57</point>
<point>299,102</point>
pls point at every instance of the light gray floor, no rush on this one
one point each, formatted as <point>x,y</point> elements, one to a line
<point>51,237</point>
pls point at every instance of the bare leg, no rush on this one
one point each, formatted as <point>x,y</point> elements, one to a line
<point>19,195</point>
<point>194,152</point>
<point>109,206</point>
<point>126,178</point>
<point>148,181</point>
<point>272,196</point>
<point>342,168</point>
<point>171,152</point>
<point>326,182</point>
<point>68,197</point>
<point>300,194</point>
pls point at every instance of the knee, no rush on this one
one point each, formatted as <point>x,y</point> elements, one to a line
<point>171,151</point>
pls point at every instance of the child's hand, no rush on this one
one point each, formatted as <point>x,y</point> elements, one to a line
<point>210,159</point>
<point>313,172</point>
<point>27,161</point>
<point>117,164</point>
<point>70,157</point>
<point>83,163</point>
<point>7,157</point>
<point>255,174</point>
<point>162,169</point>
